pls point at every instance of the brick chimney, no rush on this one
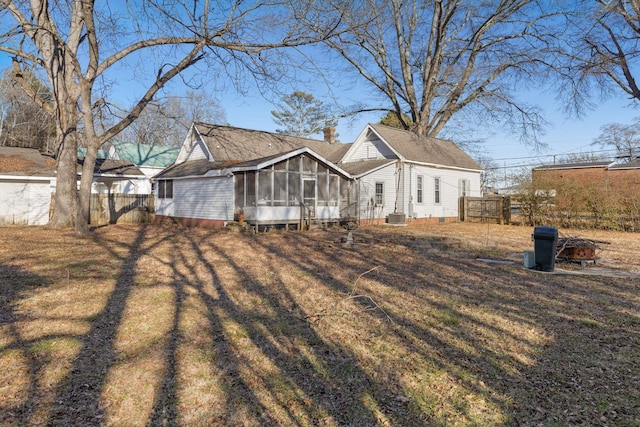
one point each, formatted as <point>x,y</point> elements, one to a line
<point>330,134</point>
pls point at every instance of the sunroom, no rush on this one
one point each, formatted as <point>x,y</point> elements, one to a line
<point>293,188</point>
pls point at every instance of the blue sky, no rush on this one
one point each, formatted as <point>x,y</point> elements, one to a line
<point>564,135</point>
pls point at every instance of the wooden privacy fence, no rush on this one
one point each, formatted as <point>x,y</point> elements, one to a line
<point>121,208</point>
<point>118,208</point>
<point>485,209</point>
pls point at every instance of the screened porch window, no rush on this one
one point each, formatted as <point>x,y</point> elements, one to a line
<point>240,183</point>
<point>323,186</point>
<point>251,188</point>
<point>280,184</point>
<point>264,187</point>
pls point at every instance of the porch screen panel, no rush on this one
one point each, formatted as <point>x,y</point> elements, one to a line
<point>294,188</point>
<point>251,188</point>
<point>308,165</point>
<point>264,187</point>
<point>323,188</point>
<point>239,190</point>
<point>280,188</point>
<point>294,164</point>
<point>334,190</point>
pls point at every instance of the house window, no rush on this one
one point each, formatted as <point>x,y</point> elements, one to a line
<point>379,198</point>
<point>436,190</point>
<point>165,189</point>
<point>420,189</point>
<point>463,187</point>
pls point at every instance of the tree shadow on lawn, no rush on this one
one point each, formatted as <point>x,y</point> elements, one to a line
<point>240,347</point>
<point>548,303</point>
<point>315,388</point>
<point>17,408</point>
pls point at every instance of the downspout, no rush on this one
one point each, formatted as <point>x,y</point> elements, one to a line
<point>410,206</point>
<point>398,176</point>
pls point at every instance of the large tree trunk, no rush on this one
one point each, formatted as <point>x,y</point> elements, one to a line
<point>65,202</point>
<point>84,196</point>
<point>66,198</point>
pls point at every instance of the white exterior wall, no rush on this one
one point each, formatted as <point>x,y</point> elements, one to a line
<point>367,190</point>
<point>371,149</point>
<point>449,191</point>
<point>25,202</point>
<point>201,198</point>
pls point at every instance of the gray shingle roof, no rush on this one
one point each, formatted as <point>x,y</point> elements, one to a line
<point>23,162</point>
<point>360,167</point>
<point>425,149</point>
<point>576,165</point>
<point>112,167</point>
<point>228,143</point>
<point>192,168</point>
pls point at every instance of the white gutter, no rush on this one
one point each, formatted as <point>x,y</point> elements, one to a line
<point>27,177</point>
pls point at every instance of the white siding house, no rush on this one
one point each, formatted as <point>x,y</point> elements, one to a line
<point>400,172</point>
<point>223,174</point>
<point>25,187</point>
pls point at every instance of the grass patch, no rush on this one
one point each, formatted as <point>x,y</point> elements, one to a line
<point>165,326</point>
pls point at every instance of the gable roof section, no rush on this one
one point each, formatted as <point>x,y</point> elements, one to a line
<point>110,167</point>
<point>146,155</point>
<point>364,167</point>
<point>17,161</point>
<point>422,149</point>
<point>204,167</point>
<point>226,143</point>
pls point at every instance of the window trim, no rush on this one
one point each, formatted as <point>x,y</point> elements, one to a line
<point>165,189</point>
<point>437,196</point>
<point>420,189</point>
<point>377,195</point>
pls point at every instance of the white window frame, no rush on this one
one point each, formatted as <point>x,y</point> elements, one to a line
<point>437,190</point>
<point>378,198</point>
<point>420,189</point>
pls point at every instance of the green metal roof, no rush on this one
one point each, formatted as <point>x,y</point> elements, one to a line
<point>147,155</point>
<point>102,154</point>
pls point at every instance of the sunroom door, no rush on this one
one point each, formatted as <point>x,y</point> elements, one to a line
<point>309,195</point>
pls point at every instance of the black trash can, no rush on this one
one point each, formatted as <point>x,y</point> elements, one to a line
<point>545,242</point>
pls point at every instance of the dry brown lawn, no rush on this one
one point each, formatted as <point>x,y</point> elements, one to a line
<point>144,325</point>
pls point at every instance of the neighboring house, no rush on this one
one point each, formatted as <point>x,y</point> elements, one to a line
<point>570,182</point>
<point>149,159</point>
<point>110,176</point>
<point>400,172</point>
<point>26,182</point>
<point>224,173</point>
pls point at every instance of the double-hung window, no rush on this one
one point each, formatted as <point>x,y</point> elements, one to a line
<point>436,190</point>
<point>420,189</point>
<point>379,196</point>
<point>165,189</point>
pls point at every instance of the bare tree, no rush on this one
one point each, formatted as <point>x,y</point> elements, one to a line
<point>167,120</point>
<point>434,60</point>
<point>84,47</point>
<point>623,139</point>
<point>600,51</point>
<point>23,122</point>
